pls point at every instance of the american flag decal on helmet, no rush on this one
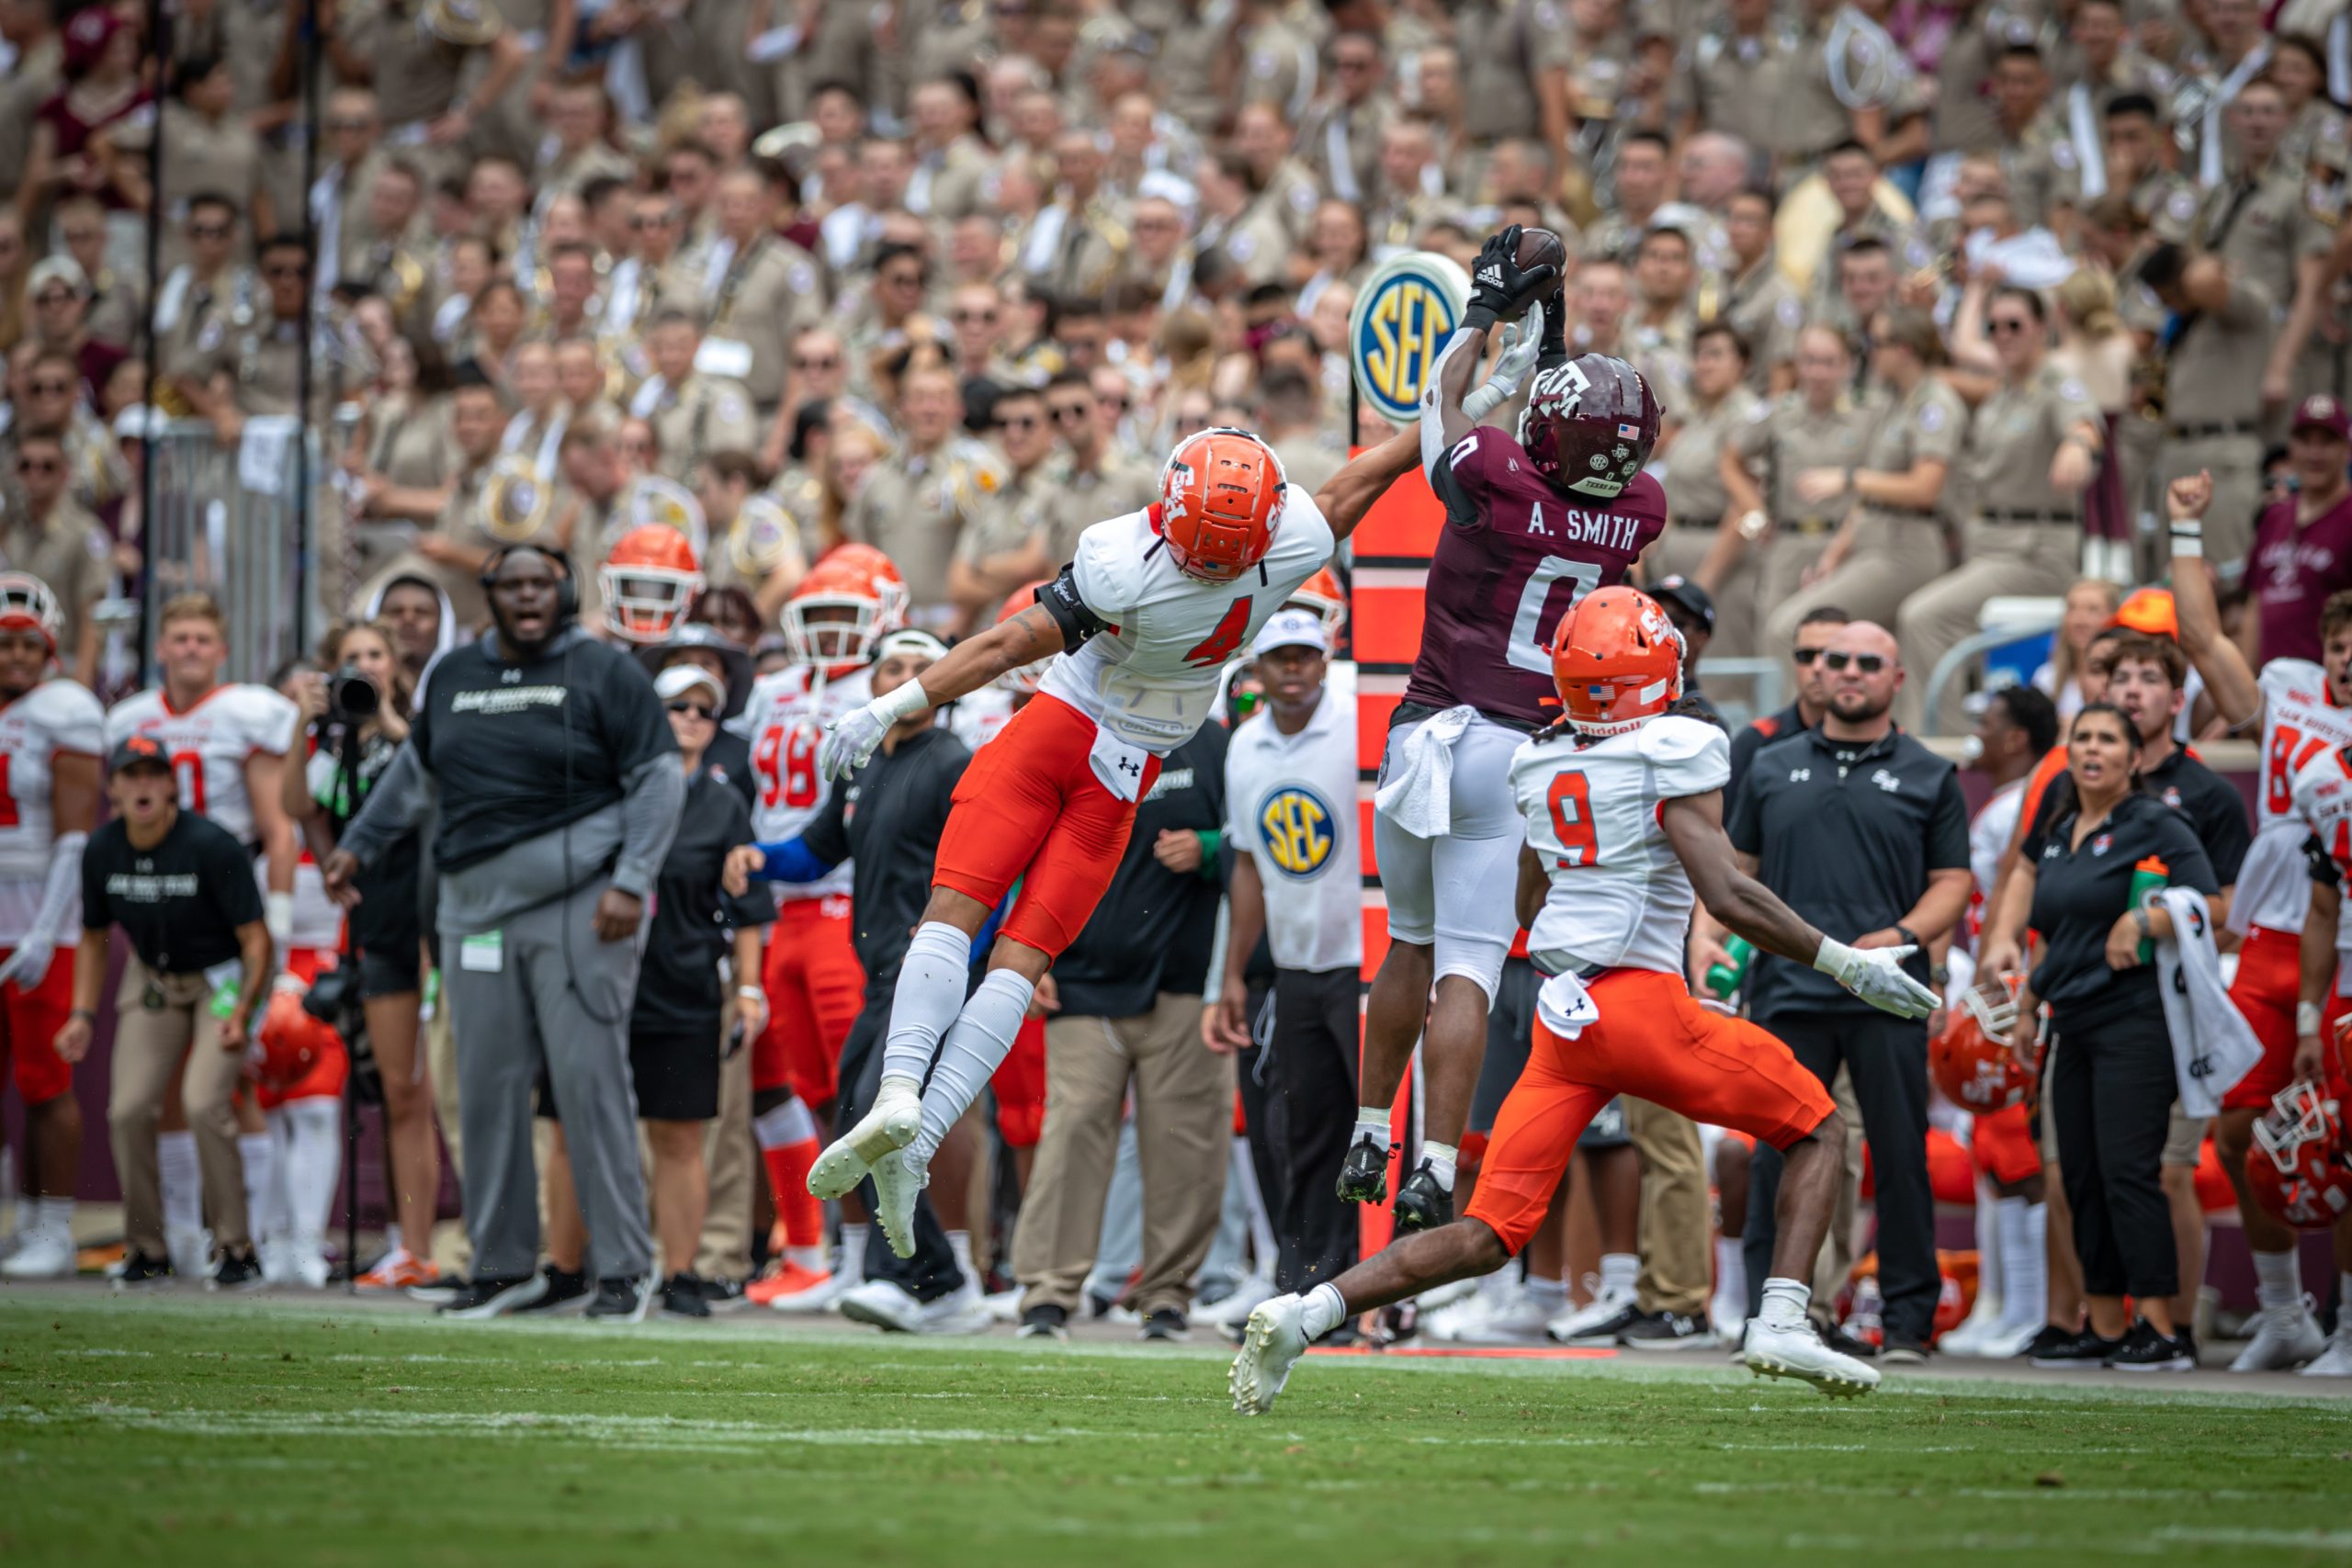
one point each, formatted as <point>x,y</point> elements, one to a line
<point>1629,433</point>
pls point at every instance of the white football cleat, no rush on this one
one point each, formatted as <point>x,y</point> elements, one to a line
<point>40,1254</point>
<point>891,1125</point>
<point>1798,1352</point>
<point>2283,1337</point>
<point>897,1184</point>
<point>1969,1337</point>
<point>2336,1361</point>
<point>1598,1322</point>
<point>884,1304</point>
<point>1272,1344</point>
<point>964,1311</point>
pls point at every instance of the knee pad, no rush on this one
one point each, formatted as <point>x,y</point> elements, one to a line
<point>1478,958</point>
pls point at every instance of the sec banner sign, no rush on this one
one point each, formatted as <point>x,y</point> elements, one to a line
<point>1403,315</point>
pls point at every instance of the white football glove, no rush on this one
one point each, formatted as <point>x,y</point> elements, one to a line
<point>29,963</point>
<point>849,741</point>
<point>1877,978</point>
<point>1522,344</point>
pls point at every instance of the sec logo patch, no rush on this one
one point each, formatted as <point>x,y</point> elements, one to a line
<point>1296,826</point>
<point>1407,310</point>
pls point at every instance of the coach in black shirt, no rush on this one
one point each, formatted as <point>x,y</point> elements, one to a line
<point>1813,634</point>
<point>1862,831</point>
<point>556,782</point>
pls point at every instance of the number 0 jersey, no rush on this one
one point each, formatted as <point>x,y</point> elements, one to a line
<point>1149,677</point>
<point>2299,725</point>
<point>1619,898</point>
<point>53,718</point>
<point>210,744</point>
<point>784,721</point>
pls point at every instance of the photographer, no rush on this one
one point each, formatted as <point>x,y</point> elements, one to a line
<point>356,720</point>
<point>556,777</point>
<point>183,891</point>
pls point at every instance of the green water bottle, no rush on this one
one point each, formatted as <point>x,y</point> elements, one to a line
<point>2147,877</point>
<point>1727,974</point>
<point>224,998</point>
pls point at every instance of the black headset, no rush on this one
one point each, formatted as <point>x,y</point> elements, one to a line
<point>567,588</point>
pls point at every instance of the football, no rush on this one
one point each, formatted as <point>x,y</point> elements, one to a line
<point>1541,247</point>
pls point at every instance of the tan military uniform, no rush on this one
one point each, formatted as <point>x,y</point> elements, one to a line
<point>1255,245</point>
<point>1782,439</point>
<point>1695,502</point>
<point>2263,226</point>
<point>409,441</point>
<point>1392,223</point>
<point>1278,67</point>
<point>1293,195</point>
<point>203,156</point>
<point>1340,143</point>
<point>2043,171</point>
<point>951,183</point>
<point>1308,460</point>
<point>1086,253</point>
<point>1734,83</point>
<point>68,551</point>
<point>35,78</point>
<point>2166,203</point>
<point>2213,404</point>
<point>186,304</point>
<point>1763,308</point>
<point>2024,537</point>
<point>417,72</point>
<point>1086,497</point>
<point>263,360</point>
<point>1188,66</point>
<point>767,292</point>
<point>1007,517</point>
<point>565,177</point>
<point>802,494</point>
<point>914,506</point>
<point>1504,47</point>
<point>701,415</point>
<point>1896,551</point>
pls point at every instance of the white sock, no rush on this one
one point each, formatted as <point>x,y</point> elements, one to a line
<point>2025,1263</point>
<point>977,1045</point>
<point>781,1126</point>
<point>56,1215</point>
<point>28,1217</point>
<point>1372,1121</point>
<point>257,1154</point>
<point>1991,1284</point>
<point>2279,1280</point>
<point>1730,1268</point>
<point>810,1257</point>
<point>960,1244</point>
<point>313,1162</point>
<point>1784,1302</point>
<point>1617,1272</point>
<point>1323,1311</point>
<point>1441,1158</point>
<point>852,1254</point>
<point>175,1173</point>
<point>1552,1295</point>
<point>392,1247</point>
<point>929,994</point>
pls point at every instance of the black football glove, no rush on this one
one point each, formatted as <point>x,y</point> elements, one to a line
<point>1500,286</point>
<point>1554,347</point>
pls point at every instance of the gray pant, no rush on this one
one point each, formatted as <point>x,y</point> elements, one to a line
<point>572,1010</point>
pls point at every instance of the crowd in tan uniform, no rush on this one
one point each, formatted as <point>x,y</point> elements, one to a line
<point>577,266</point>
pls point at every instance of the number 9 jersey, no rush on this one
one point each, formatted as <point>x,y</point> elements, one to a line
<point>1619,898</point>
<point>783,720</point>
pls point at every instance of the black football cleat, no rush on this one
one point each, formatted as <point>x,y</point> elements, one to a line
<point>1421,1204</point>
<point>1363,1175</point>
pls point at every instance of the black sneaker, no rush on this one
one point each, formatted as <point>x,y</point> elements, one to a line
<point>1167,1323</point>
<point>1421,1204</point>
<point>1665,1331</point>
<point>2145,1350</point>
<point>1363,1175</point>
<point>1844,1344</point>
<point>564,1286</point>
<point>237,1272</point>
<point>623,1298</point>
<point>722,1294</point>
<point>1606,1332</point>
<point>494,1296</point>
<point>682,1297</point>
<point>2084,1350</point>
<point>2047,1340</point>
<point>141,1272</point>
<point>1044,1321</point>
<point>1902,1350</point>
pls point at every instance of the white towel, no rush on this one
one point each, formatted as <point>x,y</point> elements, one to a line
<point>2212,1044</point>
<point>1420,796</point>
<point>1565,1006</point>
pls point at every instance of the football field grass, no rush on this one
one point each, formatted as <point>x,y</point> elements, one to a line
<point>192,1431</point>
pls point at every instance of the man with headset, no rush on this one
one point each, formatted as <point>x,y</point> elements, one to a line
<point>556,777</point>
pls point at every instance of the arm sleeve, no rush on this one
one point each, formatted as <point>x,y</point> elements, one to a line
<point>792,860</point>
<point>1454,475</point>
<point>1948,826</point>
<point>399,802</point>
<point>1061,600</point>
<point>2315,856</point>
<point>653,795</point>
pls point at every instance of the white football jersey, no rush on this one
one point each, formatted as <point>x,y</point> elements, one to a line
<point>1619,898</point>
<point>1150,677</point>
<point>785,720</point>
<point>1988,835</point>
<point>2298,725</point>
<point>211,743</point>
<point>979,716</point>
<point>56,716</point>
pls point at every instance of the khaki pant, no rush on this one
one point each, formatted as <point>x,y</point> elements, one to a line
<point>1890,562</point>
<point>2235,463</point>
<point>1836,1258</point>
<point>2001,558</point>
<point>732,1162</point>
<point>1678,552</point>
<point>1676,1263</point>
<point>1183,1114</point>
<point>441,1061</point>
<point>151,1044</point>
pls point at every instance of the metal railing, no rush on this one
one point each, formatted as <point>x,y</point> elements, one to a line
<point>231,521</point>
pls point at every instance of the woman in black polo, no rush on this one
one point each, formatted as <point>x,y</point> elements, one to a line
<point>2112,1086</point>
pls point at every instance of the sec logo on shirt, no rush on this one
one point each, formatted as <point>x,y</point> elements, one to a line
<point>1296,825</point>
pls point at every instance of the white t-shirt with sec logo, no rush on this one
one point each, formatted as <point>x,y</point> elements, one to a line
<point>1291,807</point>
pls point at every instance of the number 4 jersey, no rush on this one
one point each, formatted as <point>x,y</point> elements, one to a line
<point>1513,556</point>
<point>1619,898</point>
<point>2299,725</point>
<point>784,721</point>
<point>54,719</point>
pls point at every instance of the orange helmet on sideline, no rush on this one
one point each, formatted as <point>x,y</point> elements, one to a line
<point>844,607</point>
<point>1617,661</point>
<point>1320,596</point>
<point>291,1041</point>
<point>1971,1060</point>
<point>1024,680</point>
<point>647,582</point>
<point>26,604</point>
<point>2299,1171</point>
<point>1220,503</point>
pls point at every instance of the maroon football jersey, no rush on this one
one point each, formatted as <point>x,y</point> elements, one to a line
<point>1514,555</point>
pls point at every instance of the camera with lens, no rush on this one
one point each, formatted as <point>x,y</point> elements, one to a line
<point>352,696</point>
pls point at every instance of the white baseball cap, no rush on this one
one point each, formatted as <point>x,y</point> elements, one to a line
<point>1292,628</point>
<point>681,678</point>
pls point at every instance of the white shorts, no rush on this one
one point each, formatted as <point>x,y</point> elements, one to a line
<point>1456,891</point>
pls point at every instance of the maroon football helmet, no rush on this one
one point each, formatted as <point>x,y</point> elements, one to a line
<point>1590,424</point>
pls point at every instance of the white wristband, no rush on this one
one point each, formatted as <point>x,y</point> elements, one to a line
<point>2309,1020</point>
<point>2188,537</point>
<point>902,702</point>
<point>277,916</point>
<point>1834,957</point>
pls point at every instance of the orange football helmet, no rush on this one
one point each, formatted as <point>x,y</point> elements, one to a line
<point>1319,595</point>
<point>843,608</point>
<point>1617,661</point>
<point>28,604</point>
<point>1971,1058</point>
<point>648,583</point>
<point>1220,503</point>
<point>291,1041</point>
<point>1024,680</point>
<point>2300,1169</point>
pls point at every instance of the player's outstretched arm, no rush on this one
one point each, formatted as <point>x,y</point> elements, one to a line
<point>1694,826</point>
<point>2237,696</point>
<point>1007,646</point>
<point>1347,495</point>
